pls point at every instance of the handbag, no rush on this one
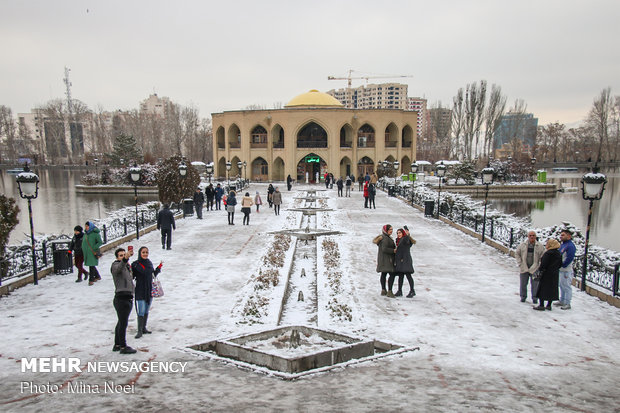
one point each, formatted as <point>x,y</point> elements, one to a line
<point>98,253</point>
<point>156,289</point>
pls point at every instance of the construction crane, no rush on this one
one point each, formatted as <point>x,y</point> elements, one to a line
<point>349,78</point>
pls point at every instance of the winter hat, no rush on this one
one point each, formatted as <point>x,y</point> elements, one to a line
<point>78,228</point>
<point>248,194</point>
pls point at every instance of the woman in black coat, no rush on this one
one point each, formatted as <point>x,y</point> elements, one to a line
<point>143,272</point>
<point>403,262</point>
<point>549,272</point>
<point>385,257</point>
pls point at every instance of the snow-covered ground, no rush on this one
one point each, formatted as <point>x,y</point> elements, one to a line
<point>480,347</point>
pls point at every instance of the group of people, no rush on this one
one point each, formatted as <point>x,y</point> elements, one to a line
<point>143,272</point>
<point>394,259</point>
<point>85,246</point>
<point>546,268</point>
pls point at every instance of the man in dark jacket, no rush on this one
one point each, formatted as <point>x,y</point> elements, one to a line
<point>210,194</point>
<point>76,248</point>
<point>199,199</point>
<point>165,222</point>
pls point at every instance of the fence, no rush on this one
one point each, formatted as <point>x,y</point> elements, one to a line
<point>599,273</point>
<point>18,260</point>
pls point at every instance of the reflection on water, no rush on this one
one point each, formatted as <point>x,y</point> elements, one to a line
<point>570,206</point>
<point>58,208</point>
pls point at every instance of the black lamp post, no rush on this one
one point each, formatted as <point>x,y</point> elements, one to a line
<point>245,171</point>
<point>239,166</point>
<point>414,170</point>
<point>228,166</point>
<point>487,179</point>
<point>96,164</point>
<point>28,184</point>
<point>440,170</point>
<point>210,171</point>
<point>134,172</point>
<point>592,186</point>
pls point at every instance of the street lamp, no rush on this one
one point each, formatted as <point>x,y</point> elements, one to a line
<point>134,172</point>
<point>487,179</point>
<point>414,170</point>
<point>228,166</point>
<point>592,186</point>
<point>440,170</point>
<point>182,169</point>
<point>96,163</point>
<point>28,184</point>
<point>239,166</point>
<point>245,171</point>
<point>210,171</point>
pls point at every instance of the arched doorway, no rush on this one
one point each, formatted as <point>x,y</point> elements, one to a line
<point>277,171</point>
<point>260,170</point>
<point>365,166</point>
<point>345,167</point>
<point>234,136</point>
<point>220,138</point>
<point>313,165</point>
<point>277,135</point>
<point>346,136</point>
<point>407,137</point>
<point>221,168</point>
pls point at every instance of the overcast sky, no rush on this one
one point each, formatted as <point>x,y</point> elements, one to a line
<point>226,55</point>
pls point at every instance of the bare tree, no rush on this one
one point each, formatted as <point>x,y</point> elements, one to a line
<point>475,97</point>
<point>458,121</point>
<point>549,140</point>
<point>493,115</point>
<point>599,118</point>
<point>8,129</point>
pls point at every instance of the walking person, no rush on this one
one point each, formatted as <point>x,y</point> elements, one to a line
<point>246,208</point>
<point>326,180</point>
<point>385,257</point>
<point>277,201</point>
<point>352,181</point>
<point>91,242</point>
<point>231,202</point>
<point>372,193</point>
<point>210,195</point>
<point>360,181</point>
<point>144,272</point>
<point>165,223</point>
<point>365,194</point>
<point>528,255</point>
<point>347,185</point>
<point>567,249</point>
<point>199,199</point>
<point>219,192</point>
<point>340,185</point>
<point>549,273</point>
<point>289,182</point>
<point>403,262</point>
<point>123,298</point>
<point>258,201</point>
<point>331,180</point>
<point>270,191</point>
<point>78,254</point>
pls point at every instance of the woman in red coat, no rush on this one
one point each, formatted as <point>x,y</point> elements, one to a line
<point>366,194</point>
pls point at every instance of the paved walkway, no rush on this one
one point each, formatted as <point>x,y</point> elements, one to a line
<point>480,348</point>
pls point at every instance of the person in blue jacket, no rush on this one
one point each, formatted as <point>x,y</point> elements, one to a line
<point>567,249</point>
<point>219,192</point>
<point>143,272</point>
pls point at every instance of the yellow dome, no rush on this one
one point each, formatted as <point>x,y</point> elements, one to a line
<point>314,98</point>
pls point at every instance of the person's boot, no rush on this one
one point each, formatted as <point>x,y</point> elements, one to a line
<point>390,294</point>
<point>140,326</point>
<point>127,350</point>
<point>144,330</point>
<point>411,294</point>
<point>399,293</point>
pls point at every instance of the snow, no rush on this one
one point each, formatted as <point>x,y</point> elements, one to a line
<point>480,347</point>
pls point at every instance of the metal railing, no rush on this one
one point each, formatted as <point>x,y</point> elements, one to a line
<point>18,259</point>
<point>599,273</point>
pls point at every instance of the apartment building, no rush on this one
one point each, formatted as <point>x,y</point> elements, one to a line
<point>373,96</point>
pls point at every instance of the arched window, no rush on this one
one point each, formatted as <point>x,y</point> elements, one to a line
<point>366,136</point>
<point>312,136</point>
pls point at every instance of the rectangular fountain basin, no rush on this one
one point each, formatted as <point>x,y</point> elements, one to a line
<point>318,350</point>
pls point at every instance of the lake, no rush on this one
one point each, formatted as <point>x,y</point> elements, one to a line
<point>58,208</point>
<point>571,207</point>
